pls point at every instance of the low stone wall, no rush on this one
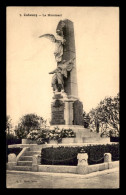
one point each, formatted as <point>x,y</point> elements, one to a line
<point>78,169</point>
<point>36,147</point>
<point>81,168</point>
<point>57,169</point>
<point>33,147</point>
<point>76,144</point>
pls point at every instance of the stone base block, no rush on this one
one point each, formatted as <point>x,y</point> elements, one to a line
<point>104,140</point>
<point>81,169</point>
<point>28,141</point>
<point>35,168</point>
<point>67,140</point>
<point>78,140</point>
<point>11,165</point>
<point>113,164</point>
<point>90,139</point>
<point>53,142</point>
<point>103,166</point>
<point>57,169</point>
<point>93,168</point>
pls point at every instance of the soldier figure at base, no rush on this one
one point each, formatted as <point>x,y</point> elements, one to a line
<point>59,73</point>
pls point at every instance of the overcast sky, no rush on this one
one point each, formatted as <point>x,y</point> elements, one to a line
<point>30,59</point>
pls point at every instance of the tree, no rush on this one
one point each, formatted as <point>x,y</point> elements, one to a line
<point>8,124</point>
<point>86,119</point>
<point>105,117</point>
<point>27,123</point>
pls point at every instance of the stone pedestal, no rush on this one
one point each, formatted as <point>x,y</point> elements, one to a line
<point>65,111</point>
<point>57,112</point>
<point>82,166</point>
<point>82,159</point>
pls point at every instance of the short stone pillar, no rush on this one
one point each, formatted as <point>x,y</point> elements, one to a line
<point>36,160</point>
<point>82,166</point>
<point>82,158</point>
<point>12,161</point>
<point>107,157</point>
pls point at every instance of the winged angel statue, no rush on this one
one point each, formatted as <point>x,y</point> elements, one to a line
<point>62,66</point>
<point>58,45</point>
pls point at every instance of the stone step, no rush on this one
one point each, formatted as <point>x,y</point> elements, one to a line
<point>90,139</point>
<point>22,168</point>
<point>31,153</point>
<point>85,132</point>
<point>78,140</point>
<point>24,163</point>
<point>26,158</point>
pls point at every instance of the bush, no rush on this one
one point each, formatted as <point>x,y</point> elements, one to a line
<point>28,123</point>
<point>67,133</point>
<point>68,155</point>
<point>12,139</point>
<point>16,151</point>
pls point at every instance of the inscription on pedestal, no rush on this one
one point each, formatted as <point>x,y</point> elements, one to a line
<point>57,110</point>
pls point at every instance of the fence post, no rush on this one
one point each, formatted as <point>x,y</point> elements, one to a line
<point>12,161</point>
<point>36,160</point>
<point>107,157</point>
<point>82,166</point>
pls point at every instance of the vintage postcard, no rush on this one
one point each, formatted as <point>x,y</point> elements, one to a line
<point>62,123</point>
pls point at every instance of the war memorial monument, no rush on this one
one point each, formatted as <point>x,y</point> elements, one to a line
<point>66,108</point>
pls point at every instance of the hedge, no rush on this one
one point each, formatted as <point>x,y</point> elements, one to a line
<point>12,150</point>
<point>68,155</point>
<point>114,139</point>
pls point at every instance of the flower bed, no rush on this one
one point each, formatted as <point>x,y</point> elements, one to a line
<point>68,155</point>
<point>67,133</point>
<point>44,135</point>
<point>33,135</point>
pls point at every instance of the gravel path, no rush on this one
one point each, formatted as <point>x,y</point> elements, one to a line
<point>105,179</point>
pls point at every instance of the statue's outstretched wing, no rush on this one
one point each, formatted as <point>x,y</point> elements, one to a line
<point>49,36</point>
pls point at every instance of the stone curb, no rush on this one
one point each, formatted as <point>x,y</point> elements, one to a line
<point>67,175</point>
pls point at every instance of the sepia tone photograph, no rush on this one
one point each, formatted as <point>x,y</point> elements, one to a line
<point>63,99</point>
